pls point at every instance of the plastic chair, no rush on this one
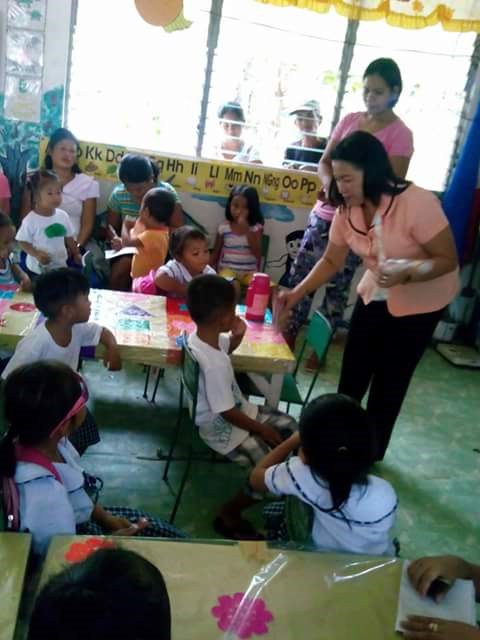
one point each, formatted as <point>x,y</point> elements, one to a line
<point>318,337</point>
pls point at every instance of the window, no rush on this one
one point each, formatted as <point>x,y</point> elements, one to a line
<point>271,60</point>
<point>133,84</point>
<point>147,90</point>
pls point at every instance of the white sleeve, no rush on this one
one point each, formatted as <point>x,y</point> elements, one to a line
<point>218,389</point>
<point>26,351</point>
<point>281,479</point>
<point>45,511</point>
<point>93,190</point>
<point>90,333</point>
<point>224,342</point>
<point>24,234</point>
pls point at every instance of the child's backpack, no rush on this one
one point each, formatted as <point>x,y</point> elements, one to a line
<point>10,503</point>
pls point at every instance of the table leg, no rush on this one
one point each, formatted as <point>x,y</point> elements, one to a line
<point>270,389</point>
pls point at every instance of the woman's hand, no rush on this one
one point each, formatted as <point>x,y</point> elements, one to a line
<point>421,628</point>
<point>392,273</point>
<point>424,571</point>
<point>285,300</point>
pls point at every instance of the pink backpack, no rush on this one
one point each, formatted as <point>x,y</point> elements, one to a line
<point>10,498</point>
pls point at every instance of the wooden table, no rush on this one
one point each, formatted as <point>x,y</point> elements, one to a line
<point>14,550</point>
<point>147,329</point>
<point>312,596</point>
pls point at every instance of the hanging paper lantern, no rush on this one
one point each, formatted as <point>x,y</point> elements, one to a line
<point>163,13</point>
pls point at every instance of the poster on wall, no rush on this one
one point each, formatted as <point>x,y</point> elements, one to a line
<point>27,14</point>
<point>23,98</point>
<point>24,52</point>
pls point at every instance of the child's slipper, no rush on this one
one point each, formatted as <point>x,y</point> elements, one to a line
<point>242,530</point>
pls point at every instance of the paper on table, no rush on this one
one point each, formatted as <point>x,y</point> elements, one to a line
<point>458,604</point>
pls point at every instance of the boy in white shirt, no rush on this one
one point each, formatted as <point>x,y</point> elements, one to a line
<point>227,422</point>
<point>62,297</point>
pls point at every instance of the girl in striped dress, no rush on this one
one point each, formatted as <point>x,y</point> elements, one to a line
<point>238,245</point>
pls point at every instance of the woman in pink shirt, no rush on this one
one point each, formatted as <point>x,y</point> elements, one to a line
<point>5,195</point>
<point>403,237</point>
<point>382,85</point>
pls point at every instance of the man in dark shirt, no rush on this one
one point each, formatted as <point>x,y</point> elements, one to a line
<point>305,154</point>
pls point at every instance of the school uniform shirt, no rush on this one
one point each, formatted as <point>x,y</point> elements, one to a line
<point>153,252</point>
<point>74,194</point>
<point>48,507</point>
<point>46,233</point>
<point>177,271</point>
<point>39,345</point>
<point>236,253</point>
<point>408,221</point>
<point>218,391</point>
<point>121,202</point>
<point>368,514</point>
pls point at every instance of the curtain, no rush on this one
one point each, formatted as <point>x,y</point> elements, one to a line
<point>453,15</point>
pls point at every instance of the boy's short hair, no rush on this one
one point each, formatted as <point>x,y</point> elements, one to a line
<point>136,168</point>
<point>207,296</point>
<point>113,594</point>
<point>58,287</point>
<point>182,235</point>
<point>160,204</point>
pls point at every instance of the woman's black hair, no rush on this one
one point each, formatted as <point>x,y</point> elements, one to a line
<point>180,237</point>
<point>113,594</point>
<point>253,203</point>
<point>365,152</point>
<point>57,136</point>
<point>37,397</point>
<point>233,107</point>
<point>136,168</point>
<point>338,440</point>
<point>37,180</point>
<point>388,70</point>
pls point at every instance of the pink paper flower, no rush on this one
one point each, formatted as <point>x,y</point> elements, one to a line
<point>249,619</point>
<point>79,551</point>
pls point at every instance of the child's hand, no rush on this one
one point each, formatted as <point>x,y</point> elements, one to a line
<point>43,257</point>
<point>271,437</point>
<point>123,527</point>
<point>116,243</point>
<point>239,328</point>
<point>26,284</point>
<point>112,359</point>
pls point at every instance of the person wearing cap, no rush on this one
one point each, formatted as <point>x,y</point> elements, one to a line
<point>232,145</point>
<point>306,153</point>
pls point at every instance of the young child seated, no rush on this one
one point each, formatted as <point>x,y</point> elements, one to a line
<point>46,233</point>
<point>62,296</point>
<point>227,422</point>
<point>149,234</point>
<point>335,448</point>
<point>189,248</point>
<point>44,403</point>
<point>10,271</point>
<point>113,594</point>
<point>238,246</point>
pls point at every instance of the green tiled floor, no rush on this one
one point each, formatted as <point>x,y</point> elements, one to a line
<point>431,459</point>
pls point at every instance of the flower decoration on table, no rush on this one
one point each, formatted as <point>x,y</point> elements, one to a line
<point>79,551</point>
<point>245,617</point>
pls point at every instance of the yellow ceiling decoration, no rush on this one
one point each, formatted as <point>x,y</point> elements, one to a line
<point>453,15</point>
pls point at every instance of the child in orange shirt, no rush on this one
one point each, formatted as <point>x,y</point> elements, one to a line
<point>149,234</point>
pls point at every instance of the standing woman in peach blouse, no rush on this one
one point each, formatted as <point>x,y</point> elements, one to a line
<point>405,241</point>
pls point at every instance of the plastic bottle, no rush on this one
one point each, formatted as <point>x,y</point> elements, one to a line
<point>258,294</point>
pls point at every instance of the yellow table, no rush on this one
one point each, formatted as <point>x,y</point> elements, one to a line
<point>14,550</point>
<point>312,596</point>
<point>147,329</point>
